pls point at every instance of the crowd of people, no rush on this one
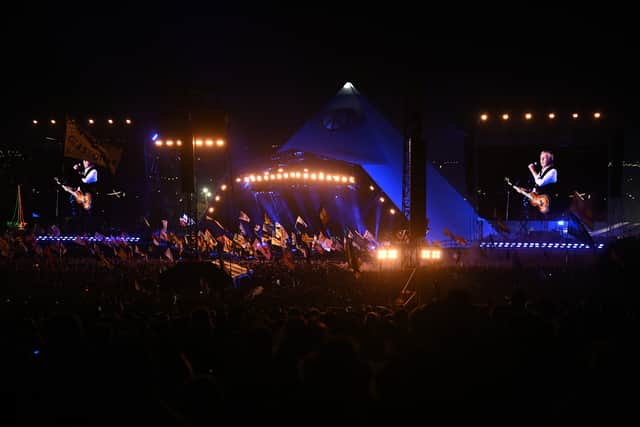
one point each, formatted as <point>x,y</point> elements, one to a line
<point>87,342</point>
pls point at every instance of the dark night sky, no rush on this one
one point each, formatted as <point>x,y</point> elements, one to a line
<point>272,70</point>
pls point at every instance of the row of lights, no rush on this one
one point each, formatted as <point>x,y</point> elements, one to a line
<point>197,142</point>
<point>392,211</point>
<point>535,245</point>
<point>305,174</point>
<point>425,253</point>
<point>90,239</point>
<point>529,116</point>
<point>53,122</point>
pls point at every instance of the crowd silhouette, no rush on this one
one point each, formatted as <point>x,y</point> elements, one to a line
<point>86,343</point>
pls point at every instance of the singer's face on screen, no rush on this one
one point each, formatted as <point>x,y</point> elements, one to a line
<point>545,159</point>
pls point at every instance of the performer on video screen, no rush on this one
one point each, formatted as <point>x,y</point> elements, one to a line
<point>89,178</point>
<point>547,176</point>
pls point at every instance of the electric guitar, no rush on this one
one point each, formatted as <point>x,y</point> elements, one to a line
<point>83,199</point>
<point>540,201</point>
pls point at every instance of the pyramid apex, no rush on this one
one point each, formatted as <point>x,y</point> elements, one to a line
<point>348,88</point>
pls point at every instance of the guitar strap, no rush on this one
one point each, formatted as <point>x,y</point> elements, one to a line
<point>87,171</point>
<point>543,173</point>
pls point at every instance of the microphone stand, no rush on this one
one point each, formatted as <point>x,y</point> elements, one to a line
<point>506,215</point>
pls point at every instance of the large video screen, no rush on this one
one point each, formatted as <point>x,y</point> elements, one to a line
<point>580,155</point>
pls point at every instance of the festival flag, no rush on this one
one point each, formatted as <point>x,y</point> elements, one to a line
<point>403,235</point>
<point>448,233</point>
<point>458,239</point>
<point>325,242</point>
<point>80,145</point>
<point>186,221</point>
<point>243,230</point>
<point>262,248</point>
<point>302,248</point>
<point>275,241</point>
<point>300,221</point>
<point>227,243</point>
<point>370,237</point>
<point>244,217</point>
<point>267,219</point>
<point>324,216</point>
<point>359,241</point>
<point>208,238</point>
<point>281,233</point>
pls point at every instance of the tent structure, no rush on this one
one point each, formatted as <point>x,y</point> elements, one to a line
<point>348,128</point>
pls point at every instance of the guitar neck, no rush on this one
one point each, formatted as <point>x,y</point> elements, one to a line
<point>521,191</point>
<point>67,189</point>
